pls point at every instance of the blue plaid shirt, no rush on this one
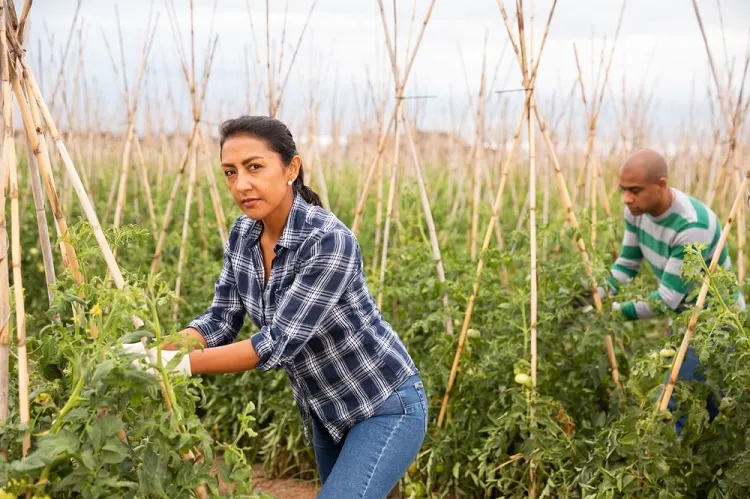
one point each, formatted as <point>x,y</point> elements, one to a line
<point>316,317</point>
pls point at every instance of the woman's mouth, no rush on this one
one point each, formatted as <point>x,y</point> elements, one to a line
<point>249,202</point>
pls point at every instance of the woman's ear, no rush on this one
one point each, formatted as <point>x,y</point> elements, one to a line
<point>295,165</point>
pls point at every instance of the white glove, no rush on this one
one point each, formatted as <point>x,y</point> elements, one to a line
<point>616,307</point>
<point>148,356</point>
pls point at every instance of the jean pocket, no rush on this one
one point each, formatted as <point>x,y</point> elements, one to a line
<point>413,399</point>
<point>422,394</point>
<point>391,406</point>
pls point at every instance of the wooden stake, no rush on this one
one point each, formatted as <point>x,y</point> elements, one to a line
<point>39,147</point>
<point>146,185</point>
<point>76,180</point>
<point>741,228</point>
<point>388,123</point>
<point>392,189</point>
<point>679,359</point>
<point>185,227</point>
<point>495,213</point>
<point>11,165</point>
<point>417,171</point>
<point>41,219</point>
<point>4,281</point>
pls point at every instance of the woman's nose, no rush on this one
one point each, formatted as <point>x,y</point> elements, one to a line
<point>244,181</point>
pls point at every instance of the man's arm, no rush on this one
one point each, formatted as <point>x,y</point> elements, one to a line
<point>672,289</point>
<point>628,263</point>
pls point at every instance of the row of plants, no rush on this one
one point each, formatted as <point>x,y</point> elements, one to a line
<point>587,437</point>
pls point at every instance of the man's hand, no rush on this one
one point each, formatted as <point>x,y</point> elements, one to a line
<point>147,358</point>
<point>585,302</point>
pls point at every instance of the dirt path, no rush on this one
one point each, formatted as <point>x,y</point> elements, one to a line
<point>283,488</point>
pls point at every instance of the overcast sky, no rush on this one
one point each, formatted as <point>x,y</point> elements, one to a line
<point>660,44</point>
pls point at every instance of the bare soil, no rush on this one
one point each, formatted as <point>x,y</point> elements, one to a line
<point>283,488</point>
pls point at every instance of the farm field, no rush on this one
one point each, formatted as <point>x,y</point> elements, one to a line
<point>481,250</point>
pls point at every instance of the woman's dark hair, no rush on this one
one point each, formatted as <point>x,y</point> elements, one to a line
<point>277,137</point>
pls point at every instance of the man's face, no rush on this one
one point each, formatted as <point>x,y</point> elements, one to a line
<point>640,193</point>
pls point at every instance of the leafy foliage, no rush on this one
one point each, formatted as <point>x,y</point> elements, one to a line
<point>587,438</point>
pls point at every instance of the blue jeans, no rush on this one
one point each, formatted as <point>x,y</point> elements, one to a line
<point>376,452</point>
<point>690,370</point>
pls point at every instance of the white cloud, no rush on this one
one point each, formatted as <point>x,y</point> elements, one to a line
<point>345,37</point>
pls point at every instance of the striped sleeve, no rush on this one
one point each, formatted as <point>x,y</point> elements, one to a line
<point>672,289</point>
<point>628,263</point>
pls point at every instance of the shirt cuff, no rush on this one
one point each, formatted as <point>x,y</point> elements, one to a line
<point>614,285</point>
<point>628,311</point>
<point>263,345</point>
<point>212,339</point>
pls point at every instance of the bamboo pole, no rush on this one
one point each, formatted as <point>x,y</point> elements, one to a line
<point>11,165</point>
<point>76,180</point>
<point>392,189</point>
<point>207,169</point>
<point>68,43</point>
<point>4,283</point>
<point>41,218</point>
<point>197,111</point>
<point>201,215</point>
<point>530,105</point>
<point>132,107</point>
<point>185,227</point>
<point>741,228</point>
<point>563,190</point>
<point>36,137</point>
<point>378,217</point>
<point>197,92</point>
<point>146,185</point>
<point>436,254</point>
<point>680,357</point>
<point>478,157</point>
<point>495,213</point>
<point>388,123</point>
<point>23,363</point>
<point>427,210</point>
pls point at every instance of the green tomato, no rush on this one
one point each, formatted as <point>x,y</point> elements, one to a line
<point>523,379</point>
<point>473,333</point>
<point>419,489</point>
<point>667,353</point>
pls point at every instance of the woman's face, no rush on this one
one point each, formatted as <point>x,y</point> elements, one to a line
<point>256,176</point>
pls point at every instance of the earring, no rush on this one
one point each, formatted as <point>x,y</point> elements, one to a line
<point>290,182</point>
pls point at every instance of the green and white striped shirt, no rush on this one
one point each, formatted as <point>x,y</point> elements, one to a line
<point>661,241</point>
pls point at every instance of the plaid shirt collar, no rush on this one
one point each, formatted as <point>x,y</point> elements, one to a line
<point>292,235</point>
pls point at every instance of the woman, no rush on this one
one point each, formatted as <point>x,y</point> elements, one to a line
<point>297,271</point>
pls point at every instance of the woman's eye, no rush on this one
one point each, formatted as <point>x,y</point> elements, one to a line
<point>228,173</point>
<point>253,166</point>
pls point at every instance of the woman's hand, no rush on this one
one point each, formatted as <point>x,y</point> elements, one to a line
<point>188,338</point>
<point>147,358</point>
<point>237,357</point>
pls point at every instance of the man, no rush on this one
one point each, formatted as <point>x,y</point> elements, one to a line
<point>660,222</point>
